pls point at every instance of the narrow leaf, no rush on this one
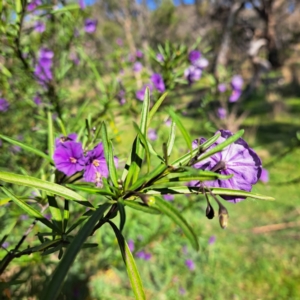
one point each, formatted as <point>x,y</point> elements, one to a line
<point>50,134</point>
<point>145,144</point>
<point>50,187</point>
<point>184,133</point>
<point>171,139</point>
<point>109,156</point>
<point>53,289</point>
<point>122,215</point>
<point>156,107</point>
<point>32,212</point>
<point>141,207</point>
<point>133,274</point>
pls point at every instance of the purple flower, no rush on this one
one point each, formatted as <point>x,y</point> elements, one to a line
<point>23,217</point>
<point>152,135</point>
<point>81,4</point>
<point>139,54</point>
<point>159,57</point>
<point>131,245</point>
<point>182,291</point>
<point>222,87</point>
<point>5,245</point>
<point>168,197</point>
<point>190,264</point>
<point>237,159</point>
<point>264,176</point>
<point>221,112</point>
<point>68,158</point>
<point>119,42</point>
<point>74,58</point>
<point>72,137</point>
<point>235,95</point>
<point>39,26</point>
<point>211,240</point>
<point>237,85</point>
<point>96,166</point>
<point>43,68</point>
<point>192,74</point>
<point>144,255</point>
<point>194,55</point>
<point>237,82</point>
<point>33,4</point>
<point>137,66</point>
<point>90,25</point>
<point>140,93</point>
<point>37,100</point>
<point>201,63</point>
<point>158,82</point>
<point>15,149</point>
<point>4,105</point>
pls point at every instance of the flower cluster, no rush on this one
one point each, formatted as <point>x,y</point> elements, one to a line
<point>43,68</point>
<point>237,159</point>
<point>70,158</point>
<point>198,64</point>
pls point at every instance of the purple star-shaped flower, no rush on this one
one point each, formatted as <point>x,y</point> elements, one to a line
<point>194,55</point>
<point>237,85</point>
<point>33,4</point>
<point>159,57</point>
<point>137,66</point>
<point>168,197</point>
<point>90,25</point>
<point>221,112</point>
<point>81,4</point>
<point>222,87</point>
<point>190,264</point>
<point>192,74</point>
<point>4,105</point>
<point>68,158</point>
<point>96,166</point>
<point>158,82</point>
<point>139,54</point>
<point>237,159</point>
<point>39,26</point>
<point>152,134</point>
<point>144,255</point>
<point>43,68</point>
<point>131,245</point>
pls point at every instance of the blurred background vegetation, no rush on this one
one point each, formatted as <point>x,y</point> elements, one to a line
<point>257,257</point>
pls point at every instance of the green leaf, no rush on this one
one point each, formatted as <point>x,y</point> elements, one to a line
<point>32,212</point>
<point>141,207</point>
<point>50,134</point>
<point>171,139</point>
<point>55,212</point>
<point>122,215</point>
<point>152,190</point>
<point>156,107</point>
<point>41,185</point>
<point>133,274</point>
<point>168,209</point>
<point>66,8</point>
<point>185,134</point>
<point>27,148</point>
<point>90,190</point>
<point>66,214</point>
<point>53,289</point>
<point>137,152</point>
<point>109,156</point>
<point>145,144</point>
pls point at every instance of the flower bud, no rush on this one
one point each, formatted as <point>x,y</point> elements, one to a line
<point>210,213</point>
<point>223,216</point>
